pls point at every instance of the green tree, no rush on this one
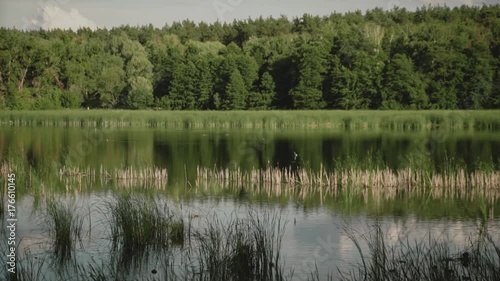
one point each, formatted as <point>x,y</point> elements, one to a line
<point>311,61</point>
<point>139,74</point>
<point>182,91</point>
<point>263,98</point>
<point>403,87</point>
<point>236,92</point>
<point>140,93</point>
<point>111,82</point>
<point>357,85</point>
<point>380,59</point>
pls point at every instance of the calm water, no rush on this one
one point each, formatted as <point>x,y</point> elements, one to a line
<point>183,150</point>
<point>314,231</point>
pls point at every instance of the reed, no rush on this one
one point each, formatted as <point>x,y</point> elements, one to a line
<point>65,228</point>
<point>430,259</point>
<point>129,177</point>
<point>303,180</point>
<point>418,176</point>
<point>139,224</point>
<point>394,120</point>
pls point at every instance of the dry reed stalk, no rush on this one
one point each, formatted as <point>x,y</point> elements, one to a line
<point>5,168</point>
<point>151,177</point>
<point>411,180</point>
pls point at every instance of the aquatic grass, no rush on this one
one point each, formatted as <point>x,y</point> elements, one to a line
<point>65,228</point>
<point>139,225</point>
<point>240,249</point>
<point>96,273</point>
<point>176,232</point>
<point>99,270</point>
<point>30,270</point>
<point>427,259</point>
<point>28,267</point>
<point>362,119</point>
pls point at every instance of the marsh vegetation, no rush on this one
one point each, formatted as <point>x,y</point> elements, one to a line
<point>65,229</point>
<point>339,119</point>
<point>429,258</point>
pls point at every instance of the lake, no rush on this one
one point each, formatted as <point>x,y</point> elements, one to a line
<point>69,165</point>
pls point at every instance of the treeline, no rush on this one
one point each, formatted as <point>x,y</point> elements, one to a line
<point>435,57</point>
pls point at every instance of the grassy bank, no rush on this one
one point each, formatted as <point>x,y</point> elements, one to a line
<point>400,120</point>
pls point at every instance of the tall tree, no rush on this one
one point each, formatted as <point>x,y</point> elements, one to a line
<point>263,97</point>
<point>403,87</point>
<point>311,61</point>
<point>236,92</point>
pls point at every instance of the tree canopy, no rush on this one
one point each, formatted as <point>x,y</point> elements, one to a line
<point>433,58</point>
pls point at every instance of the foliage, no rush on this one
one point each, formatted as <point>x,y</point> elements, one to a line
<point>433,58</point>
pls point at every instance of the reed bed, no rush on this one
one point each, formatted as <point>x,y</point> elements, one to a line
<point>449,183</point>
<point>130,177</point>
<point>369,178</point>
<point>397,120</point>
<point>288,180</point>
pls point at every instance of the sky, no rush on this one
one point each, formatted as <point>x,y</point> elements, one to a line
<point>49,14</point>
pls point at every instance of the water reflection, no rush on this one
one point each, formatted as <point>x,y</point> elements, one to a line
<point>181,151</point>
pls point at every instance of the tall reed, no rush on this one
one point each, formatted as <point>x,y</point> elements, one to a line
<point>277,180</point>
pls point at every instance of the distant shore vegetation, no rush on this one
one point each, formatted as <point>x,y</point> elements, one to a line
<point>432,58</point>
<point>407,120</point>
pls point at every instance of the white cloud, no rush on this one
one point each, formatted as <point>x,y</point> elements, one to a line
<point>52,17</point>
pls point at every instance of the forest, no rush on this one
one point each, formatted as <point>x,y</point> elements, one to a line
<point>432,58</point>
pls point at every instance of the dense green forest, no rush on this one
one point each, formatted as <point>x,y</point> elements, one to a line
<point>431,58</point>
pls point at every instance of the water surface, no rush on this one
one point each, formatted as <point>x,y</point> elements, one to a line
<point>314,233</point>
